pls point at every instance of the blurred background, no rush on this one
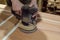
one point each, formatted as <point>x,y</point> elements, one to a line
<point>50,6</point>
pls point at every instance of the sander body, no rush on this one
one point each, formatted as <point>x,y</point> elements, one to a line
<point>28,23</point>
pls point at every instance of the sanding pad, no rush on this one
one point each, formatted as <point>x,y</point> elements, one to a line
<point>30,28</point>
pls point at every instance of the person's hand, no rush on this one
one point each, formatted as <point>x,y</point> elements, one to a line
<point>30,5</point>
<point>34,15</point>
<point>16,6</point>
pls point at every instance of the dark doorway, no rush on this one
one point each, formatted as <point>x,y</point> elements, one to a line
<point>44,5</point>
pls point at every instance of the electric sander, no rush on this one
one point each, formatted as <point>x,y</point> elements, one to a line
<point>28,23</point>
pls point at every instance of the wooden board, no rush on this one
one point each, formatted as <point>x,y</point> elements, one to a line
<point>38,35</point>
<point>47,30</point>
<point>4,15</point>
<point>5,28</point>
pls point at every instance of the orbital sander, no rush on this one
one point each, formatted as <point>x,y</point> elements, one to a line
<point>28,23</point>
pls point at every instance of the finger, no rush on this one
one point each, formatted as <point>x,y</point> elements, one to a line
<point>20,13</point>
<point>34,15</point>
<point>17,12</point>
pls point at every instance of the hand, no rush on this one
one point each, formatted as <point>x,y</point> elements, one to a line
<point>30,5</point>
<point>36,14</point>
<point>16,6</point>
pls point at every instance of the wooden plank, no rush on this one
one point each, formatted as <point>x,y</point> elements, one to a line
<point>11,31</point>
<point>4,15</point>
<point>3,22</point>
<point>38,35</point>
<point>9,25</point>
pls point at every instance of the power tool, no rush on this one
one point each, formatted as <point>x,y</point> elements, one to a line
<point>28,23</point>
